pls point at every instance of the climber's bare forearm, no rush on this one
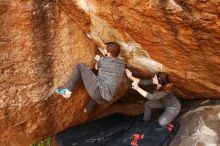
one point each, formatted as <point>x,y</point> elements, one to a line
<point>96,67</point>
<point>142,92</point>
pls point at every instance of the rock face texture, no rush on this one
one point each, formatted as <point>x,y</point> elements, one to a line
<point>199,127</point>
<point>179,37</point>
<point>41,42</point>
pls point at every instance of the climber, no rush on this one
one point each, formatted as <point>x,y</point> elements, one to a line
<point>101,88</point>
<point>162,97</point>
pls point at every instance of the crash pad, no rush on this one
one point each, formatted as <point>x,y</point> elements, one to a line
<point>115,130</point>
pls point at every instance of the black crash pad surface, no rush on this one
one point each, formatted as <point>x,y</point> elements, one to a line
<point>116,130</point>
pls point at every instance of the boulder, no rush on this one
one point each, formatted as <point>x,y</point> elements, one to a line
<point>199,126</point>
<point>178,37</point>
<point>42,41</point>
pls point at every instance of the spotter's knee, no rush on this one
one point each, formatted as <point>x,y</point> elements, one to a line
<point>163,122</point>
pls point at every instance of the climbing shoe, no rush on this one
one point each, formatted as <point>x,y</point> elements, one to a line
<point>63,92</point>
<point>170,127</point>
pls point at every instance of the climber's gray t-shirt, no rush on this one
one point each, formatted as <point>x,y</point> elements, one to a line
<point>110,75</point>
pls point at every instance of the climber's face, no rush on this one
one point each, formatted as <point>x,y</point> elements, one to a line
<point>155,80</point>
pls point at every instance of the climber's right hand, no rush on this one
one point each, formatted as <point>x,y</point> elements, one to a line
<point>97,58</point>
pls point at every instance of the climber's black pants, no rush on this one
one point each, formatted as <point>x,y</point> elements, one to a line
<point>89,79</point>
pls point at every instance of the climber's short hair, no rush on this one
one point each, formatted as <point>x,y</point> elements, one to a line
<point>113,48</point>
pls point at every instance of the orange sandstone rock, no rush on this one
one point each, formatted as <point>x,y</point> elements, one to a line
<point>41,42</point>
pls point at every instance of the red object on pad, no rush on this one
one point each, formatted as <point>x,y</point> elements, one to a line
<point>135,137</point>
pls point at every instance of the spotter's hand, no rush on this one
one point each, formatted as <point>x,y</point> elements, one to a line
<point>135,86</point>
